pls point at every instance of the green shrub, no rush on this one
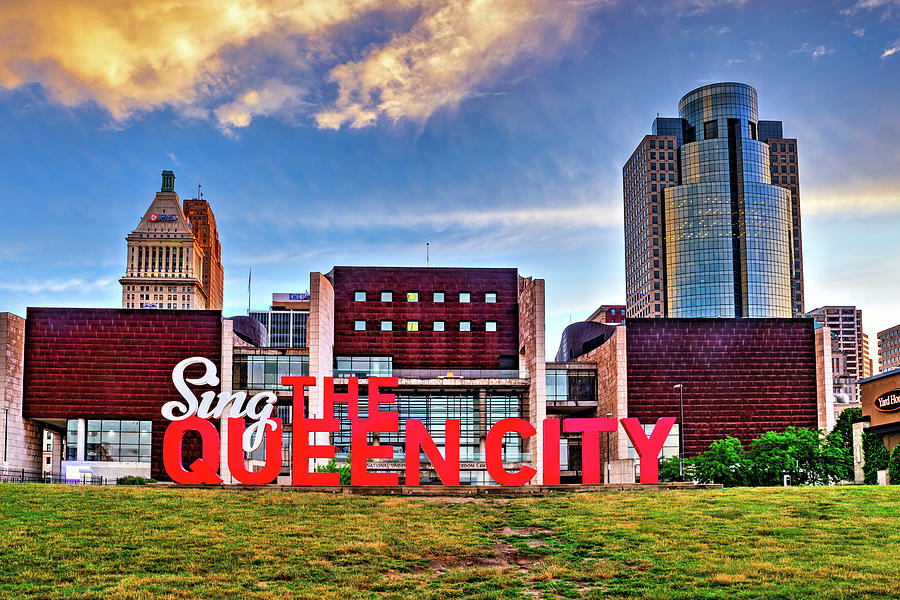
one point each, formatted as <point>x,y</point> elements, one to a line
<point>134,480</point>
<point>807,455</point>
<point>842,435</point>
<point>670,469</point>
<point>332,467</point>
<point>894,466</point>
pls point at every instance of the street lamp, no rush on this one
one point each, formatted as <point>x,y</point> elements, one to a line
<point>680,389</point>
<point>608,458</point>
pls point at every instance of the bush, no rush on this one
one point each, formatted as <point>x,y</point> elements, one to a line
<point>134,480</point>
<point>807,455</point>
<point>842,435</point>
<point>332,467</point>
<point>725,462</point>
<point>894,466</point>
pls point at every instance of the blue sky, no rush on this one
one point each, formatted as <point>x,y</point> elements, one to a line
<point>328,134</point>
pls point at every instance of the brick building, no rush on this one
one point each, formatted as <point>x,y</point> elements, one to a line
<point>889,349</point>
<point>203,226</point>
<point>739,377</point>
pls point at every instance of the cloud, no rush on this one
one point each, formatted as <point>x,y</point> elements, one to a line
<point>815,52</point>
<point>893,49</point>
<point>348,61</point>
<point>859,32</point>
<point>719,29</point>
<point>447,55</point>
<point>54,285</point>
<point>857,200</point>
<point>888,7</point>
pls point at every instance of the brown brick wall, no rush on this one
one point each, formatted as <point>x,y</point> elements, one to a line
<point>426,349</point>
<point>741,377</point>
<point>112,363</point>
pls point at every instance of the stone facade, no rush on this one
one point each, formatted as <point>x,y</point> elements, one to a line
<point>320,338</point>
<point>533,358</point>
<point>22,438</point>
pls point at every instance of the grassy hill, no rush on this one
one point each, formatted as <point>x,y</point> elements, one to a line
<point>134,543</point>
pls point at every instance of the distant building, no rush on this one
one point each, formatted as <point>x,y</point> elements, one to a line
<point>203,225</point>
<point>712,227</point>
<point>867,365</point>
<point>848,351</point>
<point>889,349</point>
<point>608,313</point>
<point>286,320</point>
<point>165,261</point>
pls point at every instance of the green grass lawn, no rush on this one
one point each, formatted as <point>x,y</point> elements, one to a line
<point>107,542</point>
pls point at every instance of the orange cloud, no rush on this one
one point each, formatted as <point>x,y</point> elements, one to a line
<point>232,60</point>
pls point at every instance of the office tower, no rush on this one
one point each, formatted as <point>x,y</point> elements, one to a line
<point>867,366</point>
<point>848,355</point>
<point>707,234</point>
<point>889,349</point>
<point>203,225</point>
<point>165,261</point>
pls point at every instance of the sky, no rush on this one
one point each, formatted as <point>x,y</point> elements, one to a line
<point>353,133</point>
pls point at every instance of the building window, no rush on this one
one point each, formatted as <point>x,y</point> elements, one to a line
<point>264,372</point>
<point>465,296</point>
<point>387,296</point>
<point>490,326</point>
<point>363,366</point>
<point>465,326</point>
<point>412,296</point>
<point>412,325</point>
<point>386,326</point>
<point>116,441</point>
<point>710,130</point>
<point>438,325</point>
<point>490,297</point>
<point>359,325</point>
<point>359,296</point>
<point>439,296</point>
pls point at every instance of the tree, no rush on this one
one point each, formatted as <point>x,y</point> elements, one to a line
<point>875,456</point>
<point>894,466</point>
<point>843,429</point>
<point>670,469</point>
<point>724,462</point>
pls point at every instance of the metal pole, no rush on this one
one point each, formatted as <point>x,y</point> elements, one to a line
<point>5,431</point>
<point>681,431</point>
<point>608,457</point>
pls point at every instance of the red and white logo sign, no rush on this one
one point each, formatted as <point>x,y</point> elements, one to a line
<point>154,217</point>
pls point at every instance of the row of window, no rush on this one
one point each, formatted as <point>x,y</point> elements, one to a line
<point>386,325</point>
<point>464,297</point>
<point>158,288</point>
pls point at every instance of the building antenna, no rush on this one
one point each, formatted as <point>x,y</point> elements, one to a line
<point>199,193</point>
<point>249,279</point>
<point>427,258</point>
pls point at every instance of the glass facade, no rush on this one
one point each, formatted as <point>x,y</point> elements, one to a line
<point>727,228</point>
<point>111,440</point>
<point>476,415</point>
<point>262,372</point>
<point>363,366</point>
<point>579,385</point>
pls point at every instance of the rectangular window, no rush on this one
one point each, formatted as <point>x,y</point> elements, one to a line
<point>465,326</point>
<point>386,326</point>
<point>438,325</point>
<point>412,296</point>
<point>387,296</point>
<point>465,296</point>
<point>490,297</point>
<point>439,296</point>
<point>359,296</point>
<point>490,325</point>
<point>359,325</point>
<point>710,130</point>
<point>412,325</point>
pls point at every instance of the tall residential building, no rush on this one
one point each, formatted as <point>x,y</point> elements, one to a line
<point>164,261</point>
<point>710,229</point>
<point>889,349</point>
<point>845,324</point>
<point>867,365</point>
<point>203,225</point>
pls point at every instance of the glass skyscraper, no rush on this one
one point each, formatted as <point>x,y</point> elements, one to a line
<point>713,237</point>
